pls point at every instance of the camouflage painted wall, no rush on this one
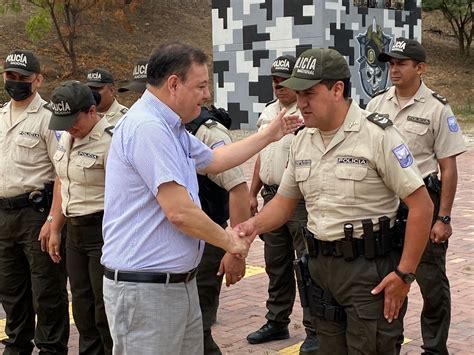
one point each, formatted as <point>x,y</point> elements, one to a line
<point>249,34</point>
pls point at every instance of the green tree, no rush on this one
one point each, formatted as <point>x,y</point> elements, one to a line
<point>63,17</point>
<point>460,16</point>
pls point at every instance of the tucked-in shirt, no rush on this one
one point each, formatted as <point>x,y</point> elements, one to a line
<point>274,157</point>
<point>428,125</point>
<point>27,147</point>
<point>150,147</point>
<point>361,174</point>
<point>114,113</point>
<point>80,165</point>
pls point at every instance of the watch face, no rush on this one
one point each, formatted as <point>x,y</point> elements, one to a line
<point>409,278</point>
<point>445,219</point>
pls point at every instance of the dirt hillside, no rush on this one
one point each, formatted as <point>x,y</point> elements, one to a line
<point>103,41</point>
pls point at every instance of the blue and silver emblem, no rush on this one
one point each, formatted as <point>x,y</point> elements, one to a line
<point>403,155</point>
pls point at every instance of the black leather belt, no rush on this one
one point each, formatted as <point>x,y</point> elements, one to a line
<point>273,189</point>
<point>149,277</point>
<point>87,220</point>
<point>19,201</point>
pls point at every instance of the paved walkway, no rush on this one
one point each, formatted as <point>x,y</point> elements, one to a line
<point>242,306</point>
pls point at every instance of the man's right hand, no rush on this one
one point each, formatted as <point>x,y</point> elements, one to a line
<point>238,245</point>
<point>54,246</point>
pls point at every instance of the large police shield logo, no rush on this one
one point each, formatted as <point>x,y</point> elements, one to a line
<point>373,74</point>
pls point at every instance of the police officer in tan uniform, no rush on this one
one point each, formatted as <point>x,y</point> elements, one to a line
<point>80,162</point>
<point>281,243</point>
<point>30,284</point>
<point>351,167</point>
<point>138,82</point>
<point>103,82</point>
<point>223,196</point>
<point>429,126</point>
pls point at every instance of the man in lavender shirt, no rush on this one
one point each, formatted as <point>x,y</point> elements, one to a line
<point>154,228</point>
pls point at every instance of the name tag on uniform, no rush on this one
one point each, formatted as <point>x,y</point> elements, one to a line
<point>302,163</point>
<point>419,120</point>
<point>88,155</point>
<point>352,160</point>
<point>29,134</point>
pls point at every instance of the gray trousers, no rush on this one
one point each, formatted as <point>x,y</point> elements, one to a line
<point>154,319</point>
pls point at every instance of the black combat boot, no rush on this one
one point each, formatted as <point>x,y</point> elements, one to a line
<point>268,332</point>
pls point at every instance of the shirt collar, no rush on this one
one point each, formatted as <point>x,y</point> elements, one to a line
<point>96,132</point>
<point>170,117</point>
<point>33,106</point>
<point>353,118</point>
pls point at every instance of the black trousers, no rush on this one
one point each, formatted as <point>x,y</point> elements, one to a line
<point>83,252</point>
<point>31,284</point>
<point>209,288</point>
<point>435,290</point>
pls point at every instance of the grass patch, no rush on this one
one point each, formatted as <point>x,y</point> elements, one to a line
<point>465,113</point>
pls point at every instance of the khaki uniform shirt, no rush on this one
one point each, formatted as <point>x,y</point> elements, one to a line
<point>114,113</point>
<point>80,164</point>
<point>214,135</point>
<point>361,174</point>
<point>428,126</point>
<point>274,157</point>
<point>26,149</point>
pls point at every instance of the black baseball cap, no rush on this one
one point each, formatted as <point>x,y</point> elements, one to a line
<point>23,62</point>
<point>99,77</point>
<point>315,65</point>
<point>138,82</point>
<point>404,48</point>
<point>283,66</point>
<point>66,102</point>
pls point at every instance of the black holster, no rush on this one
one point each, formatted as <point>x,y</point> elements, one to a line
<point>320,302</point>
<point>41,200</point>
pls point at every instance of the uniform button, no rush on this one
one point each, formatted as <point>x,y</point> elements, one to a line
<point>323,214</point>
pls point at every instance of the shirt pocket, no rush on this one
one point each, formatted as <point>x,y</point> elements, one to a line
<point>348,177</point>
<point>88,170</point>
<point>416,128</point>
<point>27,150</point>
<point>302,175</point>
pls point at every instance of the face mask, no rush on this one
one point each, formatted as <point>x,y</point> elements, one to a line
<point>18,90</point>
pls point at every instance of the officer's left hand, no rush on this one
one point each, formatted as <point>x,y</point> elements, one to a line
<point>233,268</point>
<point>281,125</point>
<point>44,236</point>
<point>395,292</point>
<point>440,232</point>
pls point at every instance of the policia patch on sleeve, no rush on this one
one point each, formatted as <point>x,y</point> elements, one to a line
<point>440,98</point>
<point>380,120</point>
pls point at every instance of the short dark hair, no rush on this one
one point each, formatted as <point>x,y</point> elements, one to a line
<point>347,85</point>
<point>172,58</point>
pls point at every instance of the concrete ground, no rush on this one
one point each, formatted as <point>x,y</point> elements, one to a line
<point>242,306</point>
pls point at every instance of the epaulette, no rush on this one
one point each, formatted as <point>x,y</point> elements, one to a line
<point>5,104</point>
<point>270,102</point>
<point>380,92</point>
<point>380,120</point>
<point>110,130</point>
<point>210,123</point>
<point>300,128</point>
<point>440,98</point>
<point>124,110</point>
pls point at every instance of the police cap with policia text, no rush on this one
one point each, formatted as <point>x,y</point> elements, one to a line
<point>316,65</point>
<point>67,101</point>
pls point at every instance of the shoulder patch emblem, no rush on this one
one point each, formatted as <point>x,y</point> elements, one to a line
<point>440,98</point>
<point>270,102</point>
<point>58,134</point>
<point>380,92</point>
<point>217,144</point>
<point>110,130</point>
<point>403,155</point>
<point>380,120</point>
<point>124,110</point>
<point>453,124</point>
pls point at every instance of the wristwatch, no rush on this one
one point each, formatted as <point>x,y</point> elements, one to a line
<point>444,219</point>
<point>49,218</point>
<point>407,278</point>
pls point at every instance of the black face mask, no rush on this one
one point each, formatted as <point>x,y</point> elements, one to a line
<point>18,90</point>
